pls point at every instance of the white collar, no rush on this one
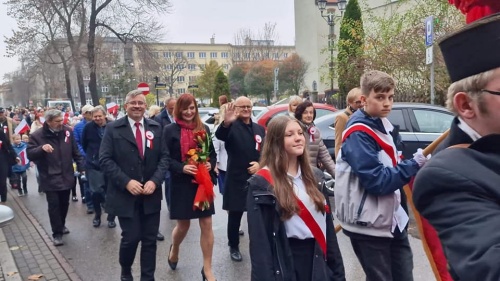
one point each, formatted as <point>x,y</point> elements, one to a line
<point>468,130</point>
<point>132,122</point>
<point>298,175</point>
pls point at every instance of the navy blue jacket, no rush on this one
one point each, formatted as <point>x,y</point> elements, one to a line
<point>162,118</point>
<point>91,143</point>
<point>77,130</point>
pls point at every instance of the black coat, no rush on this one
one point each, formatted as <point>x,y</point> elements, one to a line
<point>7,154</point>
<point>91,143</point>
<point>270,252</point>
<point>458,192</point>
<point>120,162</point>
<point>56,168</point>
<point>183,189</point>
<point>162,118</point>
<point>456,136</point>
<point>240,146</point>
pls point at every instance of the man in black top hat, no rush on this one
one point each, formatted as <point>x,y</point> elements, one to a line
<point>458,190</point>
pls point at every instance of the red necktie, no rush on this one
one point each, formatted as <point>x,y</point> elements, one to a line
<point>138,138</point>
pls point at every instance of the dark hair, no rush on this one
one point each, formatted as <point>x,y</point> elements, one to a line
<point>302,107</point>
<point>222,100</point>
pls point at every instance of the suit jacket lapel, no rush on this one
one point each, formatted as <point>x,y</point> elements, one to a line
<point>125,130</point>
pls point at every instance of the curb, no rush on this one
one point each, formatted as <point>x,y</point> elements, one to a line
<point>70,271</point>
<point>7,262</point>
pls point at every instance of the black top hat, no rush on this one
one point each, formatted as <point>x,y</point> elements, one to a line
<point>473,49</point>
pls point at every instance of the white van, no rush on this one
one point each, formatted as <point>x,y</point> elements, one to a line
<point>63,103</point>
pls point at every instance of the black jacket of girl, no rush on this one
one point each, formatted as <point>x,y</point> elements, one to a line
<point>270,251</point>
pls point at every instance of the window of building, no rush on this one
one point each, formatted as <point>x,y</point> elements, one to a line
<point>213,55</point>
<point>178,55</point>
<point>87,89</point>
<point>181,91</point>
<point>180,66</point>
<point>180,78</point>
<point>285,55</point>
<point>276,56</point>
<point>236,56</point>
<point>169,66</point>
<point>104,89</point>
<point>192,79</point>
<point>247,56</point>
<point>202,66</point>
<point>168,79</point>
<point>155,55</point>
<point>116,76</point>
<point>167,55</point>
<point>224,55</point>
<point>115,49</point>
<point>202,55</point>
<point>86,77</point>
<point>190,55</point>
<point>192,66</point>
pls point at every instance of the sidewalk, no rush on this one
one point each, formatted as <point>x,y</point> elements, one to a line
<point>29,250</point>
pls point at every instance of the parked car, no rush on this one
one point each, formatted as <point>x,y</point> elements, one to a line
<point>281,109</point>
<point>419,125</point>
<point>202,111</point>
<point>208,118</point>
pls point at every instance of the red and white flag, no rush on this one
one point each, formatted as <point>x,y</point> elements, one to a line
<point>22,128</point>
<point>24,157</point>
<point>112,107</point>
<point>66,118</point>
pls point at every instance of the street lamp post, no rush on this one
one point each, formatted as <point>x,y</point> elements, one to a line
<point>330,20</point>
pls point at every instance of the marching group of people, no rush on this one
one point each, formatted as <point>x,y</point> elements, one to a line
<point>272,174</point>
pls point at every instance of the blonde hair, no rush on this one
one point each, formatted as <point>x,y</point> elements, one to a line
<point>471,85</point>
<point>378,81</point>
<point>154,110</point>
<point>275,158</point>
<point>353,93</point>
<point>293,99</point>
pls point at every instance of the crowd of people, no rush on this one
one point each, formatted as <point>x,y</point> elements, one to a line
<point>275,175</point>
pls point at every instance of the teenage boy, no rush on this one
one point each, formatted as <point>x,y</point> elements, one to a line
<point>369,178</point>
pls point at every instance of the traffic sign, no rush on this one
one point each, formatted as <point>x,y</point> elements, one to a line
<point>161,86</point>
<point>429,31</point>
<point>429,55</point>
<point>144,87</point>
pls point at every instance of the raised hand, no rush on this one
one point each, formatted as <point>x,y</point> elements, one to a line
<point>230,114</point>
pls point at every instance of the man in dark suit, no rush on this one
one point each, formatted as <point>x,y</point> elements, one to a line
<point>133,156</point>
<point>243,140</point>
<point>164,118</point>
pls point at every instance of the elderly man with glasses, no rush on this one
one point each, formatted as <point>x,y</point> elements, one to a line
<point>243,141</point>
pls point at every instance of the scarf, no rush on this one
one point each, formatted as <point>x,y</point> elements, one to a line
<point>187,137</point>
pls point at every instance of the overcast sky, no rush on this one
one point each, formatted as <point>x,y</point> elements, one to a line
<point>195,21</point>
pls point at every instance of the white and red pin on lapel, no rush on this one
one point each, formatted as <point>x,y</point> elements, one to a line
<point>149,139</point>
<point>66,139</point>
<point>312,131</point>
<point>258,141</point>
<point>5,129</point>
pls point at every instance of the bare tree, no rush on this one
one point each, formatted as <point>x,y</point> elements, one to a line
<point>263,45</point>
<point>129,21</point>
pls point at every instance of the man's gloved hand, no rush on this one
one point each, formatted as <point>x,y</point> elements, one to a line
<point>420,158</point>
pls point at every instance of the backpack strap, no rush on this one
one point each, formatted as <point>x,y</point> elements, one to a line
<point>304,214</point>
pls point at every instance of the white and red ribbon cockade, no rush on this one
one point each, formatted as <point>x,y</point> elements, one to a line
<point>5,129</point>
<point>66,139</point>
<point>258,141</point>
<point>149,139</point>
<point>312,131</point>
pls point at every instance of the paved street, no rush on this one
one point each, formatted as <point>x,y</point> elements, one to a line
<point>93,253</point>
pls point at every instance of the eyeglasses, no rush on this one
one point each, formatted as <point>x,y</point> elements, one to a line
<point>491,92</point>
<point>357,102</point>
<point>134,103</point>
<point>243,106</point>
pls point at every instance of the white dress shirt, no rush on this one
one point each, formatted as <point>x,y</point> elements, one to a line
<point>141,128</point>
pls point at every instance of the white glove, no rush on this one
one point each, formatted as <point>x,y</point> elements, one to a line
<point>420,158</point>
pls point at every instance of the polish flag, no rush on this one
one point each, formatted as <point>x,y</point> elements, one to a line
<point>24,157</point>
<point>66,118</point>
<point>112,107</point>
<point>22,127</point>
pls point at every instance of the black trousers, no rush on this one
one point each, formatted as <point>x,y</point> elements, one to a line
<point>98,186</point>
<point>303,257</point>
<point>3,181</point>
<point>140,228</point>
<point>233,228</point>
<point>24,180</point>
<point>58,203</point>
<point>384,259</point>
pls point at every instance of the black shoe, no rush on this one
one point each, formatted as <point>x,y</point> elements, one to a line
<point>65,230</point>
<point>160,236</point>
<point>111,224</point>
<point>74,198</point>
<point>203,277</point>
<point>235,254</point>
<point>96,222</point>
<point>241,232</point>
<point>58,241</point>
<point>126,275</point>
<point>173,265</point>
<point>90,211</point>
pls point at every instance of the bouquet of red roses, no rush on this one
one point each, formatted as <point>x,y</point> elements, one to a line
<point>199,156</point>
